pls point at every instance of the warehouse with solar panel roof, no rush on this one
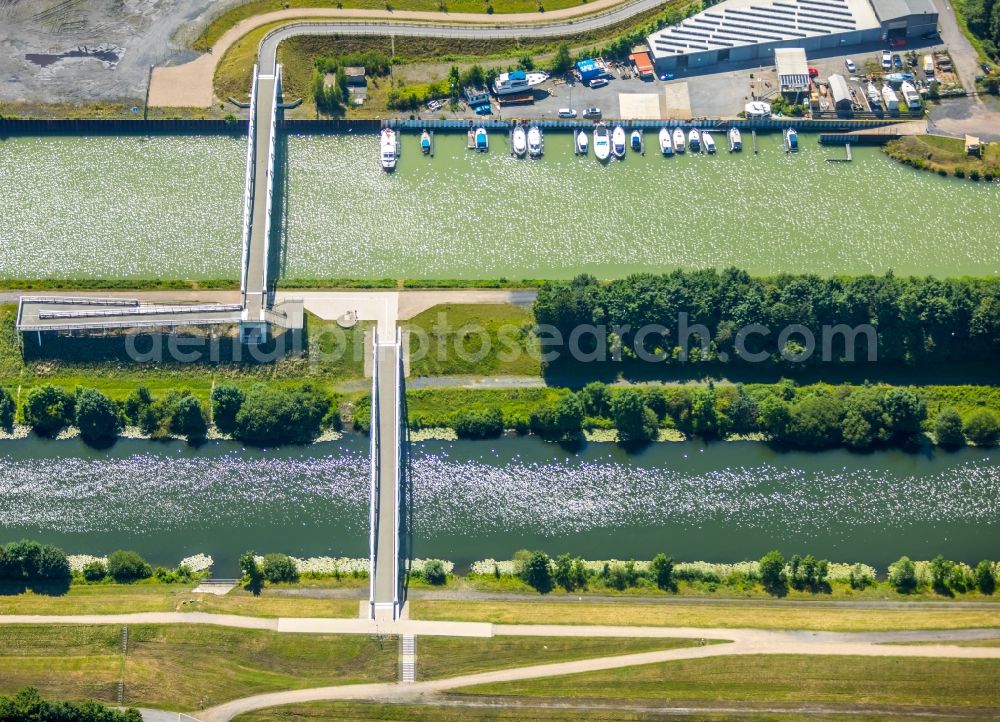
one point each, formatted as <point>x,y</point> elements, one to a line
<point>748,30</point>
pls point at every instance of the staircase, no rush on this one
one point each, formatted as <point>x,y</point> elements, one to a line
<point>408,659</point>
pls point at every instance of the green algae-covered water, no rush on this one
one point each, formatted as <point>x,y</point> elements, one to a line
<point>170,207</point>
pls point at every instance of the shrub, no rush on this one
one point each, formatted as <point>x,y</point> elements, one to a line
<point>479,423</point>
<point>982,428</point>
<point>434,572</point>
<point>251,571</point>
<point>663,571</point>
<point>279,568</point>
<point>772,572</point>
<point>960,172</point>
<point>948,428</point>
<point>28,706</point>
<point>562,418</point>
<point>226,402</point>
<point>903,575</point>
<point>48,410</point>
<point>97,416</point>
<point>635,422</point>
<point>537,572</point>
<point>6,411</point>
<point>136,403</point>
<point>859,578</point>
<point>29,562</point>
<point>814,422</point>
<point>127,566</point>
<point>985,579</point>
<point>188,418</point>
<point>94,571</point>
<point>272,416</point>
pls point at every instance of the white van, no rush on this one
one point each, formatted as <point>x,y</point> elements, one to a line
<point>928,64</point>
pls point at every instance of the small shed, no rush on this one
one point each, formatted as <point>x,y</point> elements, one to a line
<point>793,71</point>
<point>355,76</point>
<point>589,69</point>
<point>840,93</point>
<point>643,64</point>
<point>972,145</point>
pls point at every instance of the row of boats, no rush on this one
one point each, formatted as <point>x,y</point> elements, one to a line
<point>607,142</point>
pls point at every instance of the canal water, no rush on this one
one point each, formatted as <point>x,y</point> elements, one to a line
<point>170,207</point>
<point>725,501</point>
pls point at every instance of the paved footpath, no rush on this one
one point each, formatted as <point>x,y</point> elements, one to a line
<point>727,642</point>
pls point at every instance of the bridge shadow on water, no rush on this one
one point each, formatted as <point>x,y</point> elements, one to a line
<point>405,494</point>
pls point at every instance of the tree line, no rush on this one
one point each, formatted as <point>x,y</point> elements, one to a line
<point>916,320</point>
<point>29,706</point>
<point>858,417</point>
<point>259,415</point>
<point>983,20</point>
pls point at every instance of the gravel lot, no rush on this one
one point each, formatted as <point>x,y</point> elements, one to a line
<point>126,36</point>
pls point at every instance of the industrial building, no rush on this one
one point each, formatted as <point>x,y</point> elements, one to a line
<point>840,94</point>
<point>751,30</point>
<point>793,70</point>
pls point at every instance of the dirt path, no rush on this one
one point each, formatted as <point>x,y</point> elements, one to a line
<point>190,84</point>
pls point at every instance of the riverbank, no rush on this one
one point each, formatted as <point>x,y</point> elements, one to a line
<point>946,156</point>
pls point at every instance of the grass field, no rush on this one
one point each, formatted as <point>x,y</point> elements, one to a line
<point>355,712</point>
<point>860,681</point>
<point>706,615</point>
<point>129,598</point>
<point>428,408</point>
<point>451,656</point>
<point>183,666</point>
<point>477,339</point>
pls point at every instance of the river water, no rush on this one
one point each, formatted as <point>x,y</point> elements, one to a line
<point>725,501</point>
<point>170,207</point>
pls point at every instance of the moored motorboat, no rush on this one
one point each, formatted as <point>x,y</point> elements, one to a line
<point>482,140</point>
<point>735,140</point>
<point>618,142</point>
<point>709,141</point>
<point>666,144</point>
<point>678,140</point>
<point>581,143</point>
<point>425,142</point>
<point>519,141</point>
<point>636,141</point>
<point>694,140</point>
<point>791,140</point>
<point>535,141</point>
<point>602,142</point>
<point>387,149</point>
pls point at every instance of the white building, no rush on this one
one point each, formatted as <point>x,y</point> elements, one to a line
<point>793,70</point>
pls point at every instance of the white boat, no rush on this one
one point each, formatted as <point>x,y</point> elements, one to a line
<point>387,149</point>
<point>425,142</point>
<point>534,141</point>
<point>666,144</point>
<point>520,141</point>
<point>618,142</point>
<point>694,140</point>
<point>678,140</point>
<point>602,142</point>
<point>581,143</point>
<point>735,140</point>
<point>482,140</point>
<point>791,140</point>
<point>636,141</point>
<point>708,141</point>
<point>517,81</point>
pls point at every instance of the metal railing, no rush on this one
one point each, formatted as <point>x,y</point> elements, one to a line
<point>81,300</point>
<point>248,185</point>
<point>140,311</point>
<point>373,453</point>
<point>273,130</point>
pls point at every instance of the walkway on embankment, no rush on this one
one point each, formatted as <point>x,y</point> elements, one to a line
<point>191,84</point>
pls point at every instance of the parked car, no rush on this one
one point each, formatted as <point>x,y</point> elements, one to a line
<point>851,67</point>
<point>598,82</point>
<point>886,60</point>
<point>592,113</point>
<point>987,69</point>
<point>433,105</point>
<point>897,61</point>
<point>567,113</point>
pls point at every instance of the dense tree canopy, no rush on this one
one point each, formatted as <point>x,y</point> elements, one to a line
<point>917,320</point>
<point>48,410</point>
<point>272,416</point>
<point>97,416</point>
<point>7,409</point>
<point>29,562</point>
<point>983,20</point>
<point>28,706</point>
